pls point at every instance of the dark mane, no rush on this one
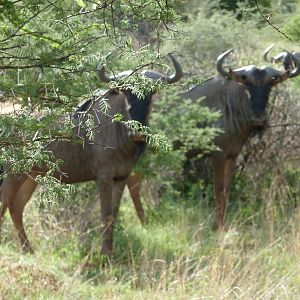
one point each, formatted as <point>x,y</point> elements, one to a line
<point>85,105</point>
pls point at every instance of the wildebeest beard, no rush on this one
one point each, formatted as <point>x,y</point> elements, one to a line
<point>259,99</point>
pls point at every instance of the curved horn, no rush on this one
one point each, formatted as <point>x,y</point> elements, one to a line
<point>103,77</point>
<point>178,71</point>
<point>169,79</point>
<point>280,57</point>
<point>220,61</point>
<point>266,52</point>
<point>296,71</point>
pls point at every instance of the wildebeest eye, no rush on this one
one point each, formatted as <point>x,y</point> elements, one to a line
<point>274,78</point>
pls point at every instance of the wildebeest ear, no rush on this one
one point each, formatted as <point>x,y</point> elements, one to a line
<point>231,74</point>
<point>235,76</point>
<point>282,77</point>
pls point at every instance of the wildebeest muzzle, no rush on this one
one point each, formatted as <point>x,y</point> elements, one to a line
<point>259,123</point>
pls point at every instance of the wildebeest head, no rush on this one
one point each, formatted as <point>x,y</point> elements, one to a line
<point>147,73</point>
<point>259,81</point>
<point>140,107</point>
<point>283,57</point>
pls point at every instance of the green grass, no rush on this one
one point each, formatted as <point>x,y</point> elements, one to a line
<point>176,256</point>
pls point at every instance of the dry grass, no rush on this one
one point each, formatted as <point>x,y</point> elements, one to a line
<point>21,278</point>
<point>177,257</point>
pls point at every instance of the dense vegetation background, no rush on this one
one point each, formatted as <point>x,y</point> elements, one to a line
<point>48,56</point>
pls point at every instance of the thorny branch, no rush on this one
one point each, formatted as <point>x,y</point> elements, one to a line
<point>267,19</point>
<point>51,64</point>
<point>14,34</point>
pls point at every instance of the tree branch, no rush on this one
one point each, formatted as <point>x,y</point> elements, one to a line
<point>267,19</point>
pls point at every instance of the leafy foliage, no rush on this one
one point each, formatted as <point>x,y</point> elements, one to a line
<point>48,57</point>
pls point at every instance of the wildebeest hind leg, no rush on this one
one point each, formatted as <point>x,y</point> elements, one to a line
<point>16,208</point>
<point>107,219</point>
<point>222,178</point>
<point>134,183</point>
<point>220,196</point>
<point>3,208</point>
<point>117,193</point>
<point>227,181</point>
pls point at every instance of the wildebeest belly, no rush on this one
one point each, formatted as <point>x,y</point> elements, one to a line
<point>74,175</point>
<point>80,163</point>
<point>73,162</point>
<point>114,163</point>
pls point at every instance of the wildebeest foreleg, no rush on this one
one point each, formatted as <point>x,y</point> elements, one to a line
<point>3,208</point>
<point>227,181</point>
<point>222,178</point>
<point>16,206</point>
<point>9,189</point>
<point>134,183</point>
<point>107,219</point>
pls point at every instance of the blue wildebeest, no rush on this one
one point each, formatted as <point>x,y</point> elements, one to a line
<point>282,57</point>
<point>241,95</point>
<point>139,111</point>
<point>108,159</point>
<point>81,162</point>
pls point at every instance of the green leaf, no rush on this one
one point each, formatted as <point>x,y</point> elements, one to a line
<point>80,3</point>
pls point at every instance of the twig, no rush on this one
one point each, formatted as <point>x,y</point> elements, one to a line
<point>267,20</point>
<point>14,34</point>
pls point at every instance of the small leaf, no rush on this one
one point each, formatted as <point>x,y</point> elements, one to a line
<point>80,3</point>
<point>117,118</point>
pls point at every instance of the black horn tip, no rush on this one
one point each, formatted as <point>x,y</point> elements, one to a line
<point>178,70</point>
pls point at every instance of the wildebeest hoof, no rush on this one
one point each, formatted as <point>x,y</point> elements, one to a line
<point>27,249</point>
<point>106,256</point>
<point>217,226</point>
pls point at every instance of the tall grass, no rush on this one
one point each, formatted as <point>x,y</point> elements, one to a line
<point>175,256</point>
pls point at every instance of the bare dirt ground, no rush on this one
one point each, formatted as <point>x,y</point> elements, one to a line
<point>9,107</point>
